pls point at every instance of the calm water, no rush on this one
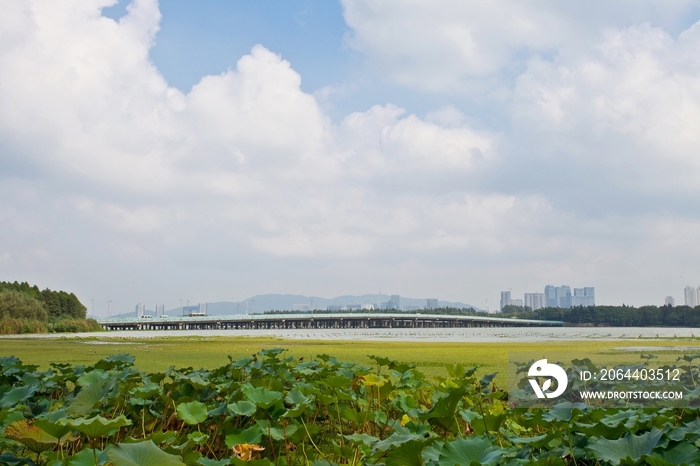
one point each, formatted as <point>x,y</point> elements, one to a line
<point>421,334</point>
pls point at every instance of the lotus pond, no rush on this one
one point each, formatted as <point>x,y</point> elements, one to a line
<point>272,408</point>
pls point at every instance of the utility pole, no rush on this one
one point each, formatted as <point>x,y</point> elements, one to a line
<point>108,301</point>
<point>93,307</point>
<point>182,310</point>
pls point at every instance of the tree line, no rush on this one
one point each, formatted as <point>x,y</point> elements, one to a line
<point>54,303</point>
<point>27,309</point>
<point>614,316</point>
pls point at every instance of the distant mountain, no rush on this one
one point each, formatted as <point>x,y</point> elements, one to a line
<point>288,302</point>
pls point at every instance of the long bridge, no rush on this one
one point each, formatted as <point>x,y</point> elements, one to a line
<point>317,321</point>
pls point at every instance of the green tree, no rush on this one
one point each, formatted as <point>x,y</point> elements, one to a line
<point>17,305</point>
<point>53,303</point>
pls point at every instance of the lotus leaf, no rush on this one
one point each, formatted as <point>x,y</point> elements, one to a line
<point>295,396</point>
<point>263,397</point>
<point>272,352</point>
<point>97,426</point>
<point>86,457</point>
<point>90,377</point>
<point>362,438</point>
<point>115,361</point>
<point>371,380</point>
<point>407,454</point>
<point>89,397</point>
<point>17,395</point>
<point>141,454</point>
<point>12,460</point>
<point>242,408</point>
<point>251,435</point>
<point>444,409</point>
<point>680,454</point>
<point>477,450</point>
<point>630,446</point>
<point>198,438</point>
<point>192,413</point>
<point>30,436</point>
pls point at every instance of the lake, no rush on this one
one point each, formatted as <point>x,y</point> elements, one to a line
<point>484,334</point>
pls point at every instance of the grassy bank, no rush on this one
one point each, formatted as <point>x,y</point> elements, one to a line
<point>431,358</point>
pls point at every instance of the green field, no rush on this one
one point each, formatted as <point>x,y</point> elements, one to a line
<point>273,409</point>
<point>158,354</point>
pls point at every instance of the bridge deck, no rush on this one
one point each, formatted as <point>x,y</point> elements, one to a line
<point>317,321</point>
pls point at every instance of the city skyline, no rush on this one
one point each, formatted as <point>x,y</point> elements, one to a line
<point>162,151</point>
<point>276,302</point>
<point>553,296</point>
<point>533,300</point>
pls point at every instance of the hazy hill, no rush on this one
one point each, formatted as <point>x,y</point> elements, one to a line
<point>286,302</point>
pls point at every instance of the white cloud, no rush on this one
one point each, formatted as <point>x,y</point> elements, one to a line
<point>464,47</point>
<point>136,220</point>
<point>244,150</point>
<point>381,140</point>
<point>441,45</point>
<point>104,163</point>
<point>633,105</point>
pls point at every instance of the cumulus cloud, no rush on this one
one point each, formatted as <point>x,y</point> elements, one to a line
<point>469,47</point>
<point>631,106</point>
<point>245,158</point>
<point>246,180</point>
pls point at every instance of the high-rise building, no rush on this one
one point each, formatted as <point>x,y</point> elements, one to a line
<point>195,310</point>
<point>560,296</point>
<point>578,299</point>
<point>564,296</point>
<point>139,310</point>
<point>431,303</point>
<point>550,296</point>
<point>394,302</point>
<point>160,310</point>
<point>535,300</point>
<point>669,301</point>
<point>691,296</point>
<point>516,302</point>
<point>557,296</point>
<point>589,292</point>
<point>505,299</point>
<point>583,297</point>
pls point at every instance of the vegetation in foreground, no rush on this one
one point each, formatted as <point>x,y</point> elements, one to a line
<point>26,309</point>
<point>275,409</point>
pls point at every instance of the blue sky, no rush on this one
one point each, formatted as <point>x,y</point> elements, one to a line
<point>197,39</point>
<point>202,38</point>
<point>216,150</point>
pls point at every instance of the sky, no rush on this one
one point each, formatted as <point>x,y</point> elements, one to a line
<point>211,151</point>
